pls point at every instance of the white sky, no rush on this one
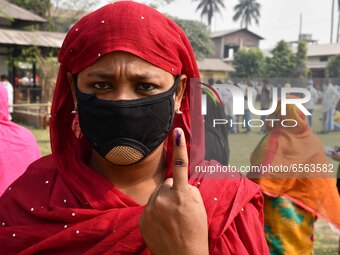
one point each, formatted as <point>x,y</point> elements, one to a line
<point>279,18</point>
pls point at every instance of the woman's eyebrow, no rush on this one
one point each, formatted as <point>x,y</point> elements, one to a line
<point>100,74</point>
<point>146,76</point>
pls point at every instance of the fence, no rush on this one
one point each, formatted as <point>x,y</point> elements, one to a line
<point>35,115</point>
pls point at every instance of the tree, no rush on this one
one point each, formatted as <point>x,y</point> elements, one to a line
<point>247,10</point>
<point>156,3</point>
<point>333,67</point>
<point>39,7</point>
<point>48,68</point>
<point>209,8</point>
<point>301,70</point>
<point>249,63</point>
<point>198,36</point>
<point>64,13</point>
<point>282,63</point>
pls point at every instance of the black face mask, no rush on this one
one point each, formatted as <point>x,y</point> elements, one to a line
<point>126,131</point>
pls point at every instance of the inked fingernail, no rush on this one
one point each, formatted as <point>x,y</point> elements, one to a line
<point>179,162</point>
<point>178,137</point>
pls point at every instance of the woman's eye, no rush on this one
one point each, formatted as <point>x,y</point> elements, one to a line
<point>146,87</point>
<point>102,85</point>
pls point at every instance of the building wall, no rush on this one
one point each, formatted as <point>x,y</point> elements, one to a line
<point>3,61</point>
<point>5,22</point>
<point>236,40</point>
<point>242,39</point>
<point>218,47</point>
<point>317,61</point>
<point>216,75</point>
<point>317,66</point>
<point>3,65</point>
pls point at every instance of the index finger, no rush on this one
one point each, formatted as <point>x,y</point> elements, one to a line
<point>180,163</point>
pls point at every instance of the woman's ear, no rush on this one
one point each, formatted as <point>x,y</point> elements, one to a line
<point>71,84</point>
<point>180,91</point>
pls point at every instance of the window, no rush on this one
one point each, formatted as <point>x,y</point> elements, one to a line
<point>323,58</point>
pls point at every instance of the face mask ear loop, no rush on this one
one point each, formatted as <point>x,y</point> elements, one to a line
<point>75,110</point>
<point>75,83</point>
<point>178,111</point>
<point>177,80</point>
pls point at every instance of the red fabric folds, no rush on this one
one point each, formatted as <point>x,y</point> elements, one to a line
<point>61,206</point>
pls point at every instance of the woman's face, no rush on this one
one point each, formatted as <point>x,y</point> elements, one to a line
<point>112,131</point>
<point>123,76</point>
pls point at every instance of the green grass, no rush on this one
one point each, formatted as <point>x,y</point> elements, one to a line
<point>241,147</point>
<point>43,139</point>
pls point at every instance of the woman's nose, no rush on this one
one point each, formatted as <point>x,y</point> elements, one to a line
<point>123,91</point>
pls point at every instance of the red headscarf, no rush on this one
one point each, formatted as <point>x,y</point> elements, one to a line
<point>62,206</point>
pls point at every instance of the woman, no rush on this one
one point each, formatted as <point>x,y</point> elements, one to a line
<point>125,69</point>
<point>18,147</point>
<point>294,198</point>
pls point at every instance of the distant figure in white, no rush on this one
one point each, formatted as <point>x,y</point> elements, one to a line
<point>310,105</point>
<point>8,86</point>
<point>330,99</point>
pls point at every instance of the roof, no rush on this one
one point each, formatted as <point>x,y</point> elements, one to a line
<point>232,31</point>
<point>31,38</point>
<point>214,64</point>
<point>8,10</point>
<point>323,49</point>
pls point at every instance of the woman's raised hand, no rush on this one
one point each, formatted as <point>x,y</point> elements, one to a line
<point>175,221</point>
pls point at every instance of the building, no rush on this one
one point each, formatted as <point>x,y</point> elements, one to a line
<point>14,37</point>
<point>228,42</point>
<point>318,56</point>
<point>214,68</point>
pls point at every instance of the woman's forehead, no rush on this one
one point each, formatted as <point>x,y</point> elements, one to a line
<point>118,62</point>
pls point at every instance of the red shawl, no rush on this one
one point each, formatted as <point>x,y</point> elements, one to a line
<point>61,206</point>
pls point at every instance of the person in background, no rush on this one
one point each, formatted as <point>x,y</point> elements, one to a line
<point>226,98</point>
<point>216,137</point>
<point>336,156</point>
<point>18,146</point>
<point>25,80</point>
<point>4,80</point>
<point>330,99</point>
<point>247,114</point>
<point>265,100</point>
<point>313,100</point>
<point>294,198</point>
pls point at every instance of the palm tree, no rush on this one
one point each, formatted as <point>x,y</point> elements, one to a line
<point>209,8</point>
<point>247,10</point>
